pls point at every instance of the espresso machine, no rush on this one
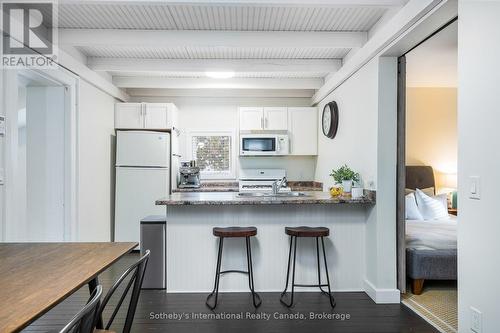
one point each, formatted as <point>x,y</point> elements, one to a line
<point>190,175</point>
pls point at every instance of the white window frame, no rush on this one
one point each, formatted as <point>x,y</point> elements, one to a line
<point>213,175</point>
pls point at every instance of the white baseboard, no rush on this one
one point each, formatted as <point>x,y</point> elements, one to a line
<point>382,296</point>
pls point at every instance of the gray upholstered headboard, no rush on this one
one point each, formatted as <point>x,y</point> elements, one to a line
<point>419,177</point>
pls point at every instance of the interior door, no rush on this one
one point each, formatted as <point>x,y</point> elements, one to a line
<point>129,115</point>
<point>251,118</point>
<point>38,166</point>
<point>156,116</point>
<point>401,176</point>
<point>276,118</point>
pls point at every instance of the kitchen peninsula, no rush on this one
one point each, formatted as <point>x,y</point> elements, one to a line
<point>192,248</point>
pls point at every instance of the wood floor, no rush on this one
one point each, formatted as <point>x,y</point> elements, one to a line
<point>364,314</point>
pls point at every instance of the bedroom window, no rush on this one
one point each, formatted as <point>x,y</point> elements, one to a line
<point>214,153</point>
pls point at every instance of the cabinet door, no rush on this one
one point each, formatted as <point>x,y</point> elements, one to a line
<point>251,118</point>
<point>156,116</point>
<point>276,118</point>
<point>128,115</point>
<point>303,130</point>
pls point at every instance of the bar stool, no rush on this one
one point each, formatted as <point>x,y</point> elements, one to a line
<point>298,232</point>
<point>234,232</point>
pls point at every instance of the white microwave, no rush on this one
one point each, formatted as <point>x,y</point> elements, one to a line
<point>264,145</point>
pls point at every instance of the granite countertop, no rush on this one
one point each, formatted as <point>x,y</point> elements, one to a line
<point>211,187</point>
<point>233,187</point>
<point>231,198</point>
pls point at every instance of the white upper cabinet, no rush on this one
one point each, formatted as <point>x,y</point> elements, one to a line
<point>155,116</point>
<point>263,118</point>
<point>303,130</point>
<point>251,118</point>
<point>129,115</point>
<point>145,115</point>
<point>275,118</point>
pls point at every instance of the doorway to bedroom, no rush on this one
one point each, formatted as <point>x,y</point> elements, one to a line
<point>427,178</point>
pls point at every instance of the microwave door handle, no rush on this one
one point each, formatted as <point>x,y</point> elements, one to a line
<point>278,146</point>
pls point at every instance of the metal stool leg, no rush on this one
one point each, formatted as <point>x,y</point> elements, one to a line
<point>215,291</point>
<point>251,285</point>
<point>283,294</point>
<point>330,296</point>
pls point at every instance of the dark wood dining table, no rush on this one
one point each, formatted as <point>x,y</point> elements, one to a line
<point>34,277</point>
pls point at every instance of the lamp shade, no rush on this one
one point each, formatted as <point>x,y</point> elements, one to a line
<point>448,180</point>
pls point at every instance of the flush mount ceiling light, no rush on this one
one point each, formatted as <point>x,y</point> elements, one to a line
<point>220,75</point>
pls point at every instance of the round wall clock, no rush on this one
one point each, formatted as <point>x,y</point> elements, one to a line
<point>330,119</point>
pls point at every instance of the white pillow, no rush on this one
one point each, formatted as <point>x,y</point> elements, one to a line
<point>432,208</point>
<point>411,208</point>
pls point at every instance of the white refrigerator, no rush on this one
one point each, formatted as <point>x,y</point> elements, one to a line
<point>142,177</point>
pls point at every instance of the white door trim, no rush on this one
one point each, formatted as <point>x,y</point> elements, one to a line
<point>70,82</point>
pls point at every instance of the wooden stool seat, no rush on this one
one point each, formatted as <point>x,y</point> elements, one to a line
<point>235,231</point>
<point>307,231</point>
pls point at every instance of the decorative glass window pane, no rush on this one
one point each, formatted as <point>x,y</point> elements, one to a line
<point>212,153</point>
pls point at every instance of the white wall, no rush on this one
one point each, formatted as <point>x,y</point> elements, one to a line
<point>355,143</point>
<point>96,159</point>
<point>431,130</point>
<point>366,141</point>
<point>478,155</point>
<point>221,113</point>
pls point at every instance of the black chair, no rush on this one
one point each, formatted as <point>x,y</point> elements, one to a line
<point>137,275</point>
<point>84,321</point>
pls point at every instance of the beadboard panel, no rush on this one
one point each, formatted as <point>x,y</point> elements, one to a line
<point>109,15</point>
<point>192,249</point>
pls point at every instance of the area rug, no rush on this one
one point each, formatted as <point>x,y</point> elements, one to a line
<point>437,304</point>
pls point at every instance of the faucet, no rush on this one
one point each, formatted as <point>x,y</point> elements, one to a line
<point>277,184</point>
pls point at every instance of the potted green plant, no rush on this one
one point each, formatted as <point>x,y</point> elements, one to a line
<point>345,176</point>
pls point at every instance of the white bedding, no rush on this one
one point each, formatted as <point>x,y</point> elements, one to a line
<point>432,234</point>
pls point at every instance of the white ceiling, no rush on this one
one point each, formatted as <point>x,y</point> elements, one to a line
<point>188,52</point>
<point>162,33</point>
<point>233,17</point>
<point>434,63</point>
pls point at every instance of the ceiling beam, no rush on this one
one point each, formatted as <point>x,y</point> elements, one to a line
<point>201,38</point>
<point>208,83</point>
<point>260,3</point>
<point>202,65</point>
<point>211,93</point>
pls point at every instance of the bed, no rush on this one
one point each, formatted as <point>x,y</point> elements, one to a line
<point>431,246</point>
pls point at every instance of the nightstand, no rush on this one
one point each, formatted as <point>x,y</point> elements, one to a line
<point>452,211</point>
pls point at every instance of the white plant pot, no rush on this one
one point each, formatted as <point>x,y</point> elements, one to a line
<point>347,185</point>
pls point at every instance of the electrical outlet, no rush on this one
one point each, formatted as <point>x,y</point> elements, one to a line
<point>476,320</point>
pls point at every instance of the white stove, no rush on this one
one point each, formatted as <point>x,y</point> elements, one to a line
<point>261,180</point>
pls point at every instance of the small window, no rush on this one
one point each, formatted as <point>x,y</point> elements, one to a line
<point>214,154</point>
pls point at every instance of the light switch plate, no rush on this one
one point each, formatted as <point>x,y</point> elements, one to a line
<point>476,320</point>
<point>2,126</point>
<point>475,187</point>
